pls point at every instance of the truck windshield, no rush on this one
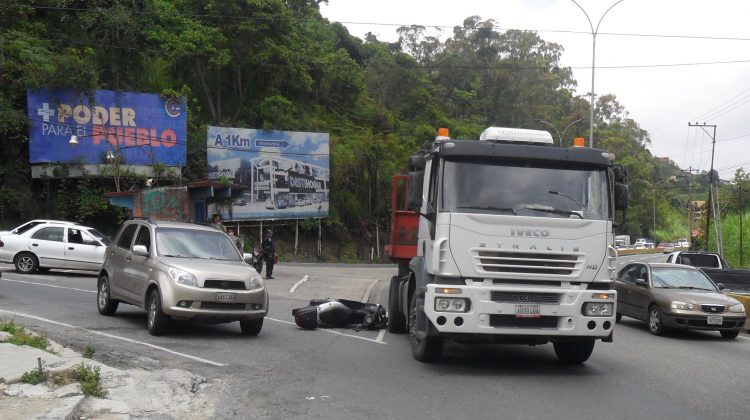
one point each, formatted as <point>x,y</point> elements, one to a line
<point>525,190</point>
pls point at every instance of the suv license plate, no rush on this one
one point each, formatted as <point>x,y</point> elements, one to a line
<point>226,297</point>
<point>527,311</point>
<point>714,320</point>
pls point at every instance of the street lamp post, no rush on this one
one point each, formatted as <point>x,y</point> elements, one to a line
<point>593,63</point>
<point>559,136</point>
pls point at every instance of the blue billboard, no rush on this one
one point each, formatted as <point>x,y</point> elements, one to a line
<point>287,173</point>
<point>138,128</point>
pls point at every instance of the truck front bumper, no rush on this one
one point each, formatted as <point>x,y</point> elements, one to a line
<point>495,310</point>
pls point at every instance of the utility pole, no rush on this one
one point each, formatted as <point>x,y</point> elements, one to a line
<point>742,215</point>
<point>710,181</point>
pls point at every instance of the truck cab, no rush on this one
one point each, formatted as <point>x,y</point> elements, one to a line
<point>514,245</point>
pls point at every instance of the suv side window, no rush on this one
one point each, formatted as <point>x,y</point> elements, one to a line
<point>49,234</point>
<point>143,238</point>
<point>126,237</point>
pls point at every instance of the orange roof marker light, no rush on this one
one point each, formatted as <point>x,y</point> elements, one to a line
<point>579,142</point>
<point>443,135</point>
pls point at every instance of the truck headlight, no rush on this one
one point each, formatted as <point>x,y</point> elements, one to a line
<point>681,306</point>
<point>446,304</point>
<point>182,277</point>
<point>598,308</point>
<point>737,309</point>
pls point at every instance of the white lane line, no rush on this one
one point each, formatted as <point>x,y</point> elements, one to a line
<point>304,279</point>
<point>366,297</point>
<point>381,335</point>
<point>50,285</point>
<point>329,331</point>
<point>116,337</point>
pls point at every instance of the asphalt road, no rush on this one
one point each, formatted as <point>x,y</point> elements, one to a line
<point>290,373</point>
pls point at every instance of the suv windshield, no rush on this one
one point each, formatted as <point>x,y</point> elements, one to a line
<point>525,190</point>
<point>194,243</point>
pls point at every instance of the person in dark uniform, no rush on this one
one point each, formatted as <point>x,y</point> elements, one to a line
<point>269,250</point>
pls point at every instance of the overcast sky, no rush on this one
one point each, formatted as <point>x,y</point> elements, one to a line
<point>661,97</point>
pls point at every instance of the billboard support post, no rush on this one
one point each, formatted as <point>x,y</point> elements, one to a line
<point>296,235</point>
<point>319,238</point>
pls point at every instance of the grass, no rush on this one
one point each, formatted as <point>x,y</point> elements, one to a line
<point>33,377</point>
<point>89,378</point>
<point>88,353</point>
<point>22,337</point>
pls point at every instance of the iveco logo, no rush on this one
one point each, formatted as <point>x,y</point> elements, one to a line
<point>529,232</point>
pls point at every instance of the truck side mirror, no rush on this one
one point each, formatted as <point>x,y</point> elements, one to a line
<point>620,173</point>
<point>415,190</point>
<point>621,196</point>
<point>416,180</point>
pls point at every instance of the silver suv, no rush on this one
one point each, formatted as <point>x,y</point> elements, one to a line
<point>181,271</point>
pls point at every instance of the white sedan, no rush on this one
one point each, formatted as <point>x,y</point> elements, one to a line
<point>46,246</point>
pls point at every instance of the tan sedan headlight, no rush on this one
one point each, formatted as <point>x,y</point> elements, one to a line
<point>682,306</point>
<point>737,309</point>
<point>256,282</point>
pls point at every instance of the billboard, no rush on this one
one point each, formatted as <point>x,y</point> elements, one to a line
<point>138,128</point>
<point>287,172</point>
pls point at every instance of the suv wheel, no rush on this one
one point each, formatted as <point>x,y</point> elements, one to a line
<point>104,301</point>
<point>26,263</point>
<point>158,322</point>
<point>251,326</point>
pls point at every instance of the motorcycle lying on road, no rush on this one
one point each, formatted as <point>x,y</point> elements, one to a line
<point>340,313</point>
<point>255,258</point>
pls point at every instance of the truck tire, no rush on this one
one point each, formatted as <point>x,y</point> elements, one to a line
<point>396,320</point>
<point>427,349</point>
<point>575,352</point>
<point>618,317</point>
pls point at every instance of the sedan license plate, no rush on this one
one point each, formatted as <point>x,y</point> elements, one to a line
<point>714,320</point>
<point>527,311</point>
<point>226,297</point>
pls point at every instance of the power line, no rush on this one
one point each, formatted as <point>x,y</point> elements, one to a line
<point>716,108</point>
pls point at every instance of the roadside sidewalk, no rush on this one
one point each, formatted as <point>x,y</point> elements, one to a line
<point>130,394</point>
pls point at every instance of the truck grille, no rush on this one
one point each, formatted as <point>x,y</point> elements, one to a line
<point>713,309</point>
<point>224,284</point>
<point>525,262</point>
<point>523,297</point>
<point>510,321</point>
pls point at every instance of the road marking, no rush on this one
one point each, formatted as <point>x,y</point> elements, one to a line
<point>50,285</point>
<point>304,279</point>
<point>381,335</point>
<point>329,331</point>
<point>366,297</point>
<point>116,337</point>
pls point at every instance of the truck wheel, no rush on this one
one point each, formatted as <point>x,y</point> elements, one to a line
<point>396,320</point>
<point>427,349</point>
<point>251,326</point>
<point>26,263</point>
<point>730,335</point>
<point>655,320</point>
<point>618,317</point>
<point>574,351</point>
<point>158,322</point>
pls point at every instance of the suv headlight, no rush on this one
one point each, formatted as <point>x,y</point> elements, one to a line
<point>681,306</point>
<point>182,277</point>
<point>738,308</point>
<point>256,282</point>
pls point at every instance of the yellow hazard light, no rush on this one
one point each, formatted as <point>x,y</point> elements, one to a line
<point>579,142</point>
<point>443,132</point>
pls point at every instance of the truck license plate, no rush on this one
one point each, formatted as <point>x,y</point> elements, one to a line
<point>714,320</point>
<point>226,297</point>
<point>527,311</point>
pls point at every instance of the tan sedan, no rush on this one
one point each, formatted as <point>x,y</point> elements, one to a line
<point>676,296</point>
